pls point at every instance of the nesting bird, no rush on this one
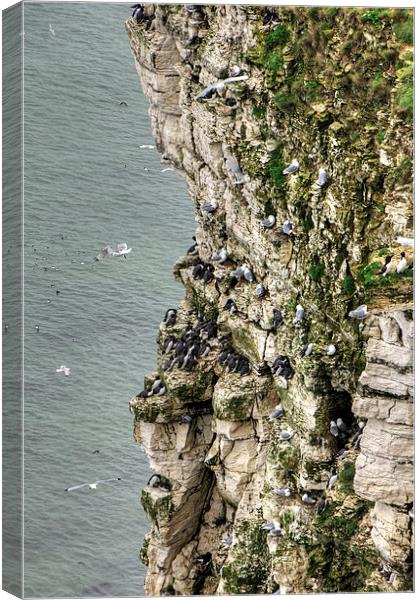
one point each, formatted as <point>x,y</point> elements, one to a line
<point>300,313</point>
<point>403,264</point>
<point>287,227</point>
<point>260,291</point>
<point>286,435</point>
<point>330,350</point>
<point>220,256</point>
<point>322,177</point>
<point>307,499</point>
<point>170,317</point>
<point>292,168</point>
<point>277,318</point>
<point>210,207</point>
<point>231,306</point>
<point>269,222</point>
<point>282,367</point>
<point>386,269</point>
<point>277,413</point>
<point>360,312</point>
<point>282,492</point>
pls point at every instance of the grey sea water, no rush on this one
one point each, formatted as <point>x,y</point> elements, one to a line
<point>88,184</point>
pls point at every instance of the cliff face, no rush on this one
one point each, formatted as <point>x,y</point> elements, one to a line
<point>331,88</point>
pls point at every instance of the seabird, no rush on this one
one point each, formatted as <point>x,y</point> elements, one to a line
<point>360,312</point>
<point>321,504</point>
<point>186,419</point>
<point>277,318</point>
<point>277,413</point>
<point>220,256</point>
<point>308,349</point>
<point>227,541</point>
<point>269,222</point>
<point>286,435</point>
<point>300,313</point>
<point>197,270</point>
<point>247,274</point>
<point>122,250</point>
<point>156,386</point>
<point>386,269</point>
<point>210,90</point>
<point>231,306</point>
<point>334,429</point>
<point>50,29</point>
<point>148,146</point>
<point>332,481</point>
<point>260,291</point>
<point>276,530</point>
<point>287,227</point>
<point>403,264</point>
<point>104,253</point>
<point>238,272</point>
<point>330,350</point>
<point>342,426</point>
<point>292,168</point>
<point>322,177</point>
<point>63,369</point>
<point>233,165</point>
<point>91,486</point>
<point>282,492</point>
<point>210,207</point>
<point>193,248</point>
<point>170,317</point>
<point>6,327</point>
<point>307,499</point>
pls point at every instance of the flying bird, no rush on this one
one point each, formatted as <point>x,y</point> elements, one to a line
<point>63,369</point>
<point>91,486</point>
<point>211,90</point>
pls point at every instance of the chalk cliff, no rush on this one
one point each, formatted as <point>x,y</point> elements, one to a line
<point>331,88</point>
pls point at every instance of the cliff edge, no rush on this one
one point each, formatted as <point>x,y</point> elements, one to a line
<point>280,426</point>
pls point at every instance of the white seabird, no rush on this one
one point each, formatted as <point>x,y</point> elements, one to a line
<point>269,222</point>
<point>403,264</point>
<point>247,274</point>
<point>307,499</point>
<point>330,350</point>
<point>322,177</point>
<point>209,207</point>
<point>210,90</point>
<point>308,350</point>
<point>91,486</point>
<point>300,313</point>
<point>292,168</point>
<point>51,30</point>
<point>233,165</point>
<point>220,256</point>
<point>63,369</point>
<point>360,312</point>
<point>287,227</point>
<point>122,250</point>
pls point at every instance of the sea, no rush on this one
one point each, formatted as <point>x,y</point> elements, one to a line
<point>88,183</point>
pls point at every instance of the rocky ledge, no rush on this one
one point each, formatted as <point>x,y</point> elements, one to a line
<point>279,422</point>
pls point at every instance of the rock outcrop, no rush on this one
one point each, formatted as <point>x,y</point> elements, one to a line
<point>332,472</point>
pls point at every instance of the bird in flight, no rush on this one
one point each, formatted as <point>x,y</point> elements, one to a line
<point>91,486</point>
